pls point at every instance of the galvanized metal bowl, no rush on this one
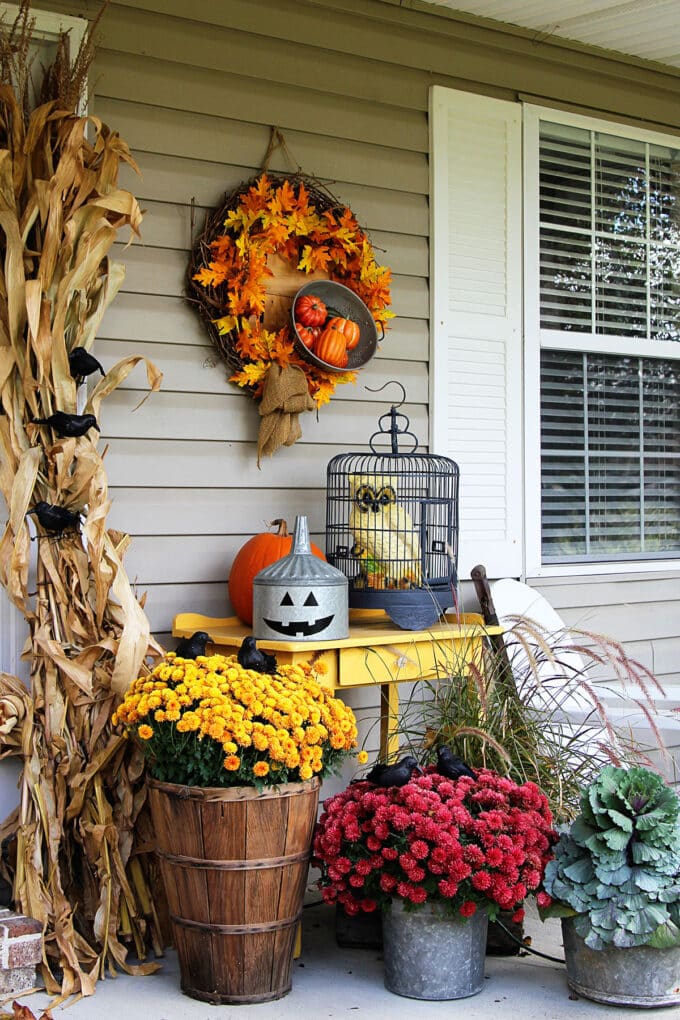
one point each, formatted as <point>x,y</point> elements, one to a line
<point>342,301</point>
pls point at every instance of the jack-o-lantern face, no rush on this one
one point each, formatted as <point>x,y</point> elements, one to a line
<point>292,627</point>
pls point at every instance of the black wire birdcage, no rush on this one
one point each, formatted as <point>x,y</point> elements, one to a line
<point>392,526</point>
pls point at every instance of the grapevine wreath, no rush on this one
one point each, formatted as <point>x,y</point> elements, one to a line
<point>271,221</point>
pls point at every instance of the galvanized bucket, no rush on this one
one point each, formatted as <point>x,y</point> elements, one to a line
<point>640,976</point>
<point>432,954</point>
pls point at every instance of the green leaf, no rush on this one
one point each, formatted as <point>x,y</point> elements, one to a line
<point>621,821</point>
<point>580,871</point>
<point>556,909</point>
<point>666,936</point>
<point>615,839</point>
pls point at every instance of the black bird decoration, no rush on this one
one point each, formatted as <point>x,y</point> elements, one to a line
<point>55,519</point>
<point>65,424</point>
<point>394,775</point>
<point>250,657</point>
<point>191,647</point>
<point>451,766</point>
<point>82,363</point>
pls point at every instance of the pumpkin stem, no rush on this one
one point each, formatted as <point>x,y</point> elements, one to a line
<point>282,526</point>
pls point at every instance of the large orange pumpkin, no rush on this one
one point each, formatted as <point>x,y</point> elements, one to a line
<point>254,556</point>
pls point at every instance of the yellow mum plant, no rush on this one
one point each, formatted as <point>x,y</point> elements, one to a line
<point>210,722</point>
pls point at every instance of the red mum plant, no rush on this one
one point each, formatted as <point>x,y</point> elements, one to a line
<point>468,843</point>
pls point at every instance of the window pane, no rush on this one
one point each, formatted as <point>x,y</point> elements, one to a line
<point>662,499</point>
<point>620,186</point>
<point>621,288</point>
<point>565,192</point>
<point>566,281</point>
<point>610,456</point>
<point>615,507</point>
<point>613,411</point>
<point>563,494</point>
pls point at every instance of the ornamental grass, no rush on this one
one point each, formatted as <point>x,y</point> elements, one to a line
<point>551,708</point>
<point>210,722</point>
<point>469,844</point>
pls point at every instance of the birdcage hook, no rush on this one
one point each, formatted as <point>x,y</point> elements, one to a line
<point>393,430</point>
<point>390,382</point>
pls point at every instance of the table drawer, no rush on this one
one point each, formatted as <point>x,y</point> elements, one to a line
<point>407,660</point>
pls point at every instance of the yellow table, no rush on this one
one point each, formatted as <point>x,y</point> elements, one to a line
<point>376,653</point>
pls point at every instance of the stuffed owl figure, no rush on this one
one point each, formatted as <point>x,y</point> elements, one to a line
<point>385,539</point>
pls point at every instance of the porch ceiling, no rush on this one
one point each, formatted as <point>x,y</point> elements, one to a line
<point>649,29</point>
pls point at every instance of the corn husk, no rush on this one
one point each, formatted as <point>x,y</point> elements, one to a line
<point>79,837</point>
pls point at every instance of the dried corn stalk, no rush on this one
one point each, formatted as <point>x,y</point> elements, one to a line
<point>78,825</point>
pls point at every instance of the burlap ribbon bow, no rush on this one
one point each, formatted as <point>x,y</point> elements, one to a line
<point>284,397</point>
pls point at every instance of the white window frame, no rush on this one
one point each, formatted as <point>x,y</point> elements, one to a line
<point>535,339</point>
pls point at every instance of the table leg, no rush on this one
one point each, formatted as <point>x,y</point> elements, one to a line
<point>389,721</point>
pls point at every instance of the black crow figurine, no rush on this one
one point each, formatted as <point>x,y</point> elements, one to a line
<point>451,766</point>
<point>55,519</point>
<point>191,647</point>
<point>250,657</point>
<point>81,363</point>
<point>65,424</point>
<point>393,775</point>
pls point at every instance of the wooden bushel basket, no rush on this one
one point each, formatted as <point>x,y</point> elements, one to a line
<point>234,865</point>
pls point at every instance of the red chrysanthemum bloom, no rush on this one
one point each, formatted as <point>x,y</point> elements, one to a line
<point>419,849</point>
<point>474,842</point>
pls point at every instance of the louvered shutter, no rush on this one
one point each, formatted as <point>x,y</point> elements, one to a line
<point>476,279</point>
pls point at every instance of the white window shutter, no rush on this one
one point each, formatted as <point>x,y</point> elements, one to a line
<point>476,319</point>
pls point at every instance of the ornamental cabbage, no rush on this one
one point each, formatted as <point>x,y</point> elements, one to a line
<point>617,868</point>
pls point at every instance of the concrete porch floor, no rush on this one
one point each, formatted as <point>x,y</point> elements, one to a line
<point>329,981</point>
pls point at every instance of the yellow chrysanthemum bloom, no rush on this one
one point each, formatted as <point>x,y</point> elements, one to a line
<point>283,726</point>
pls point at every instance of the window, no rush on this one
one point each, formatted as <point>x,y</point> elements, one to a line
<point>607,233</point>
<point>555,326</point>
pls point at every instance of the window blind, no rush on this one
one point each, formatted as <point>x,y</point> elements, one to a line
<point>610,456</point>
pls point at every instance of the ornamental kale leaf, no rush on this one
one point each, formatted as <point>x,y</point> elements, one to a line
<point>618,866</point>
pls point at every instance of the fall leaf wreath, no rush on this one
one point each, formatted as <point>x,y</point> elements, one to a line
<point>293,217</point>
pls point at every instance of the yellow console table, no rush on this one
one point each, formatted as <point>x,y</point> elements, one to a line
<point>376,653</point>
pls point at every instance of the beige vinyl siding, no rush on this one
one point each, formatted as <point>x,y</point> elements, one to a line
<point>194,88</point>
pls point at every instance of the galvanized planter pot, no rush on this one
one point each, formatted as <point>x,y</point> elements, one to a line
<point>640,976</point>
<point>431,954</point>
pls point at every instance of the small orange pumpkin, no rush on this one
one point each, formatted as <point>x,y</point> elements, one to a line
<point>350,330</point>
<point>332,348</point>
<point>257,553</point>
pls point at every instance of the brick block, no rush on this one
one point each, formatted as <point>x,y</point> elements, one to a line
<point>21,948</point>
